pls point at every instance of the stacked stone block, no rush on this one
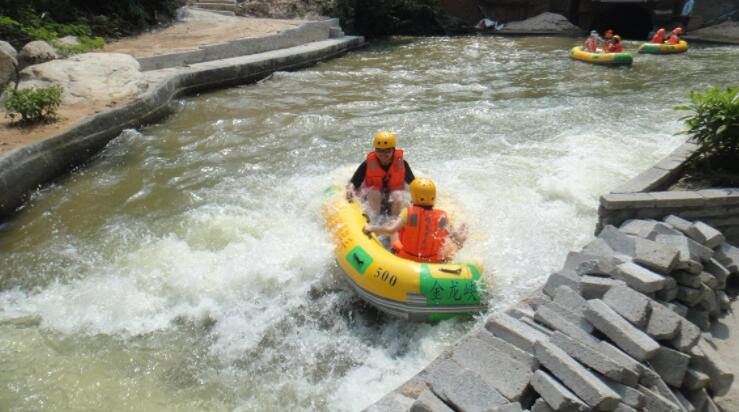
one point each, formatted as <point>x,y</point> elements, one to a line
<point>618,328</point>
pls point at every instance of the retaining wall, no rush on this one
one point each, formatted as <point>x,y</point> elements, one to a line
<point>646,196</point>
<point>27,168</point>
<point>306,33</point>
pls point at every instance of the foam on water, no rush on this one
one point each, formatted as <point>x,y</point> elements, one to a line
<point>187,268</point>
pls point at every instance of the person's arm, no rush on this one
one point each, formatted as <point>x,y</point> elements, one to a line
<point>408,173</point>
<point>388,229</point>
<point>356,181</point>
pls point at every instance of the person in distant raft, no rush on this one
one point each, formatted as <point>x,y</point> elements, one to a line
<point>675,36</point>
<point>381,178</point>
<point>615,46</point>
<point>422,233</point>
<point>591,43</point>
<point>659,37</point>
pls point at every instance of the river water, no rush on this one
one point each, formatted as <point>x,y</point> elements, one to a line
<point>187,266</point>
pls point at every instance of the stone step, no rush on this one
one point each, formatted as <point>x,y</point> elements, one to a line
<point>222,12</point>
<point>215,6</point>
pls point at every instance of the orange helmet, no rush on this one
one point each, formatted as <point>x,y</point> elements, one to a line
<point>609,33</point>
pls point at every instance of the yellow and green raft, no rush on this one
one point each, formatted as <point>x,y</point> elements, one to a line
<point>610,59</point>
<point>404,288</point>
<point>663,48</point>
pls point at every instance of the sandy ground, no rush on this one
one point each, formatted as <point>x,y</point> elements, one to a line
<point>725,334</point>
<point>190,35</point>
<point>180,36</point>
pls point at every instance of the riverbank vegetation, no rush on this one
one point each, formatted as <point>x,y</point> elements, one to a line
<point>33,105</point>
<point>22,21</point>
<point>713,124</point>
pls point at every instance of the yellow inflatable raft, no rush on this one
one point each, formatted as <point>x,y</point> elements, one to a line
<point>411,290</point>
<point>664,48</point>
<point>612,59</point>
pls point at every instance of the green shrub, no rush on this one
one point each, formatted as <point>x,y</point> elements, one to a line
<point>714,126</point>
<point>33,105</point>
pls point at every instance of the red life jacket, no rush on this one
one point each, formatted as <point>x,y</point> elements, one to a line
<point>423,235</point>
<point>393,179</point>
<point>659,37</point>
<point>674,39</point>
<point>615,48</point>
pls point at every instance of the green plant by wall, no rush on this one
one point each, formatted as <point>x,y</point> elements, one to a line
<point>33,105</point>
<point>714,126</point>
<point>37,28</point>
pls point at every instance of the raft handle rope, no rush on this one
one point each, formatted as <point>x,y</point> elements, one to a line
<point>452,271</point>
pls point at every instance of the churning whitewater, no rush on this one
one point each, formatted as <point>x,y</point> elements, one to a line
<point>188,267</point>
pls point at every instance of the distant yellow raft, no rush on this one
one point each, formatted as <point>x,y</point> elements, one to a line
<point>612,59</point>
<point>663,48</point>
<point>404,288</point>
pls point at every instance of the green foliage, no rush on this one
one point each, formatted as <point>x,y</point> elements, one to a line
<point>24,20</point>
<point>385,17</point>
<point>37,28</point>
<point>33,105</point>
<point>714,126</point>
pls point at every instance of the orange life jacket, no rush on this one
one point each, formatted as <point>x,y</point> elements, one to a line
<point>659,37</point>
<point>423,235</point>
<point>674,39</point>
<point>393,179</point>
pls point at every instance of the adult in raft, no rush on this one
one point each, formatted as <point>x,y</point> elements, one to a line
<point>591,43</point>
<point>381,178</point>
<point>422,233</point>
<point>658,37</point>
<point>615,46</point>
<point>675,36</point>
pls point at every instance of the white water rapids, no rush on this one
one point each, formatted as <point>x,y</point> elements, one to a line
<point>187,266</point>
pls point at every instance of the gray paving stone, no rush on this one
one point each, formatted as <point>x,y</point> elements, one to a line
<point>686,260</point>
<point>709,280</point>
<point>520,310</point>
<point>541,406</point>
<point>699,318</point>
<point>578,379</point>
<point>654,382</point>
<point>727,255</point>
<point>618,241</point>
<point>630,304</point>
<point>634,367</point>
<point>536,325</point>
<point>555,394</point>
<point>628,393</point>
<point>639,278</point>
<point>711,406</point>
<point>647,228</point>
<point>684,402</point>
<point>584,264</point>
<point>428,402</point>
<point>695,380</point>
<point>671,365</point>
<point>622,407</point>
<point>690,296</point>
<point>549,316</point>
<point>705,234</point>
<point>663,323</point>
<point>514,331</point>
<point>599,247</point>
<point>594,287</point>
<point>687,337</point>
<point>678,308</point>
<point>684,278</point>
<point>496,368</point>
<point>655,256</point>
<point>714,267</point>
<point>511,407</point>
<point>723,300</point>
<point>463,389</point>
<point>632,340</point>
<point>392,402</point>
<point>558,279</point>
<point>710,304</point>
<point>592,356</point>
<point>654,402</point>
<point>678,223</point>
<point>698,251</point>
<point>512,351</point>
<point>668,294</point>
<point>570,299</point>
<point>707,360</point>
<point>698,399</point>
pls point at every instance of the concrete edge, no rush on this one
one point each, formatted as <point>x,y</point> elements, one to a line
<point>28,168</point>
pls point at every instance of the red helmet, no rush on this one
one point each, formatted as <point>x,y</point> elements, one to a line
<point>609,33</point>
<point>678,30</point>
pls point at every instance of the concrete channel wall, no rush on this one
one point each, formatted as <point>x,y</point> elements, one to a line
<point>620,327</point>
<point>28,168</point>
<point>646,197</point>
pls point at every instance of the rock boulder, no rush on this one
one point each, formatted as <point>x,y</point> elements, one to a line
<point>543,23</point>
<point>36,52</point>
<point>91,77</point>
